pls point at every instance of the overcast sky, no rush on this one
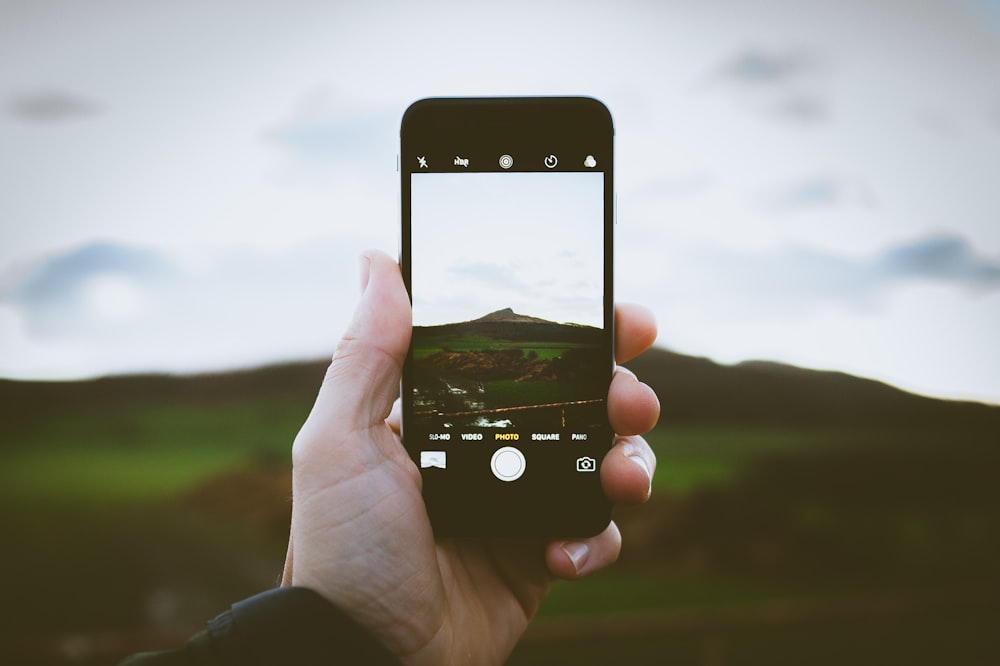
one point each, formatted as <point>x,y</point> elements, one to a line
<point>532,242</point>
<point>185,186</point>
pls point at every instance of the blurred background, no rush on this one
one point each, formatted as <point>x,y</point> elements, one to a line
<point>807,198</point>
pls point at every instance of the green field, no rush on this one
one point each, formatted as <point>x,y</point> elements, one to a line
<point>432,344</point>
<point>129,510</point>
<point>460,377</point>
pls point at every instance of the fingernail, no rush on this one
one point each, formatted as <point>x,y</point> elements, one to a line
<point>625,371</point>
<point>641,462</point>
<point>577,552</point>
<point>365,270</point>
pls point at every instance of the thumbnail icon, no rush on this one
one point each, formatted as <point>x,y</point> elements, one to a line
<point>437,459</point>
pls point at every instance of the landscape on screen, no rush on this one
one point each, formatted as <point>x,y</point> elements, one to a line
<point>509,370</point>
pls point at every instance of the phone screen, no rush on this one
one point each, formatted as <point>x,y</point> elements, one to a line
<point>506,253</point>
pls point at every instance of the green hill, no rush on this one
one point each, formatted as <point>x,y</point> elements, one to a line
<point>837,497</point>
<point>700,391</point>
<point>692,391</point>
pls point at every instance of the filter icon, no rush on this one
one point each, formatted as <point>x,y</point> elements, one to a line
<point>506,161</point>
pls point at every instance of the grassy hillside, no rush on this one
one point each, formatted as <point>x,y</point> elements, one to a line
<point>697,390</point>
<point>799,517</point>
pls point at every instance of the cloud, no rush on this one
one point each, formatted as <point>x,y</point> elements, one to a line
<point>757,67</point>
<point>823,191</point>
<point>795,279</point>
<point>110,307</point>
<point>56,279</point>
<point>785,86</point>
<point>324,129</point>
<point>51,106</point>
<point>802,107</point>
<point>494,276</point>
<point>679,186</point>
<point>941,258</point>
<point>325,137</point>
<point>68,293</point>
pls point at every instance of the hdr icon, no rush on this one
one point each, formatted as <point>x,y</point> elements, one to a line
<point>459,161</point>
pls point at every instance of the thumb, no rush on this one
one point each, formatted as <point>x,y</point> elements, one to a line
<point>363,379</point>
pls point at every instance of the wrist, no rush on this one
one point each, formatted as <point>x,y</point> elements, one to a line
<point>295,626</point>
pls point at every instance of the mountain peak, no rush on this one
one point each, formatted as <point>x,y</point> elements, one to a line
<point>508,314</point>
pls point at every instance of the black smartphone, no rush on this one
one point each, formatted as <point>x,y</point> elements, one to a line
<point>506,250</point>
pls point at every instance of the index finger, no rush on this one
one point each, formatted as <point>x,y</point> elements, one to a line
<point>635,330</point>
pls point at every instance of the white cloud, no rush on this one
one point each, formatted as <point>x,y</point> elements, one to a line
<point>73,316</point>
<point>797,280</point>
<point>784,86</point>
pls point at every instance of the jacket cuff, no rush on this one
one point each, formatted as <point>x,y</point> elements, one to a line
<point>294,626</point>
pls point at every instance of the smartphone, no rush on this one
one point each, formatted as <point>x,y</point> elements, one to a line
<point>506,251</point>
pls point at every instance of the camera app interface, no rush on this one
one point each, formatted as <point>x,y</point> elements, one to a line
<point>509,353</point>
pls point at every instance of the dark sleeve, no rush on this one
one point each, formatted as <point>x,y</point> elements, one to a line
<point>290,626</point>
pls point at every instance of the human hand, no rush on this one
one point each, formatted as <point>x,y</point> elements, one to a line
<point>360,535</point>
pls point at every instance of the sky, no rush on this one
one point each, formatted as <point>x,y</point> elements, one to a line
<point>529,241</point>
<point>186,186</point>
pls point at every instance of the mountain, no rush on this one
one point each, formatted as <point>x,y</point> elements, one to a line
<point>691,390</point>
<point>698,390</point>
<point>27,405</point>
<point>508,315</point>
<point>508,325</point>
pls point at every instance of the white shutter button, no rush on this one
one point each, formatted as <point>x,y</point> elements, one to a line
<point>507,463</point>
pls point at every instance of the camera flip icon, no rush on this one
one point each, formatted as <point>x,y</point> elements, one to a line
<point>586,464</point>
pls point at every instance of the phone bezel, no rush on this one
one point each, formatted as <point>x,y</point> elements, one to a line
<point>481,129</point>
